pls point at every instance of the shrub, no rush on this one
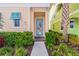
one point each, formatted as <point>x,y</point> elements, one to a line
<point>59,36</point>
<point>63,47</point>
<point>64,50</point>
<point>21,51</point>
<point>28,42</point>
<point>2,41</point>
<point>56,53</point>
<point>9,38</point>
<point>6,51</point>
<point>17,38</point>
<point>72,52</point>
<point>73,39</point>
<point>19,43</point>
<point>50,39</point>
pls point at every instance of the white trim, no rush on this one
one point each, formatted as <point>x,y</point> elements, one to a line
<point>24,4</point>
<point>43,27</point>
<point>28,18</point>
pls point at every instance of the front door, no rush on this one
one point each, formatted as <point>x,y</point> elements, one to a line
<point>39,27</point>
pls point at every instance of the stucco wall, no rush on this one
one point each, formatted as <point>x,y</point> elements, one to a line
<point>8,24</point>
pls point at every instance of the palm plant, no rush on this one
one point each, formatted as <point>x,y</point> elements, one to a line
<point>65,17</point>
<point>59,7</point>
<point>65,14</point>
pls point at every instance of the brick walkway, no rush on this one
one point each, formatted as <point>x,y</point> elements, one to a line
<point>39,49</point>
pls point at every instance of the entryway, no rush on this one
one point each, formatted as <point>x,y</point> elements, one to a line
<point>39,33</point>
<point>39,25</point>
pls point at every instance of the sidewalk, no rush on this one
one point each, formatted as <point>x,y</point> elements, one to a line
<point>39,49</point>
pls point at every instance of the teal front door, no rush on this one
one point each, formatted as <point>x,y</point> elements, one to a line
<point>39,27</point>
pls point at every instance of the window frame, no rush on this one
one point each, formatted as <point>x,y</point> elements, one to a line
<point>71,24</point>
<point>16,22</point>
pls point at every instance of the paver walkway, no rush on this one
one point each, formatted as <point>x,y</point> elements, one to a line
<point>39,49</point>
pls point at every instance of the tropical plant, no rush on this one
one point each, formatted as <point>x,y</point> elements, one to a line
<point>6,51</point>
<point>2,41</point>
<point>59,6</point>
<point>56,53</point>
<point>21,51</point>
<point>64,50</point>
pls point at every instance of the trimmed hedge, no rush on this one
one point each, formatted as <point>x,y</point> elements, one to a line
<point>17,38</point>
<point>50,39</point>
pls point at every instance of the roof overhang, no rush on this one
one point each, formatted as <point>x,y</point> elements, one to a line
<point>24,4</point>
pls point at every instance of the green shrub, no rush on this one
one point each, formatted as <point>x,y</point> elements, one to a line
<point>19,43</point>
<point>6,51</point>
<point>73,39</point>
<point>9,38</point>
<point>64,50</point>
<point>63,47</point>
<point>28,42</point>
<point>17,38</point>
<point>21,51</point>
<point>50,39</point>
<point>72,52</point>
<point>56,53</point>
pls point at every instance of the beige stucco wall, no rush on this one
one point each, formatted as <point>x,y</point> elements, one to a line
<point>8,24</point>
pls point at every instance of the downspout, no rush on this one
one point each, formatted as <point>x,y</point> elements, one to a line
<point>28,18</point>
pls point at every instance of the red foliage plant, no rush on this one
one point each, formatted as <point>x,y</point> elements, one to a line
<point>2,41</point>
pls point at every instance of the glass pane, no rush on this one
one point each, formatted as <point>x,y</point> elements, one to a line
<point>17,22</point>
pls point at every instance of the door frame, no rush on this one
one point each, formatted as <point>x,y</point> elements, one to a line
<point>43,27</point>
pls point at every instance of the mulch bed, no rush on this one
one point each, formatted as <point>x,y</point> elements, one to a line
<point>29,48</point>
<point>49,51</point>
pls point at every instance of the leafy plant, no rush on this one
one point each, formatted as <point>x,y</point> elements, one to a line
<point>21,51</point>
<point>56,53</point>
<point>6,51</point>
<point>17,38</point>
<point>73,39</point>
<point>2,41</point>
<point>50,39</point>
<point>64,50</point>
<point>19,42</point>
<point>59,7</point>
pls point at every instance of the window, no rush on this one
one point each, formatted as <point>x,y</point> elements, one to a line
<point>16,22</point>
<point>71,24</point>
<point>15,16</point>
